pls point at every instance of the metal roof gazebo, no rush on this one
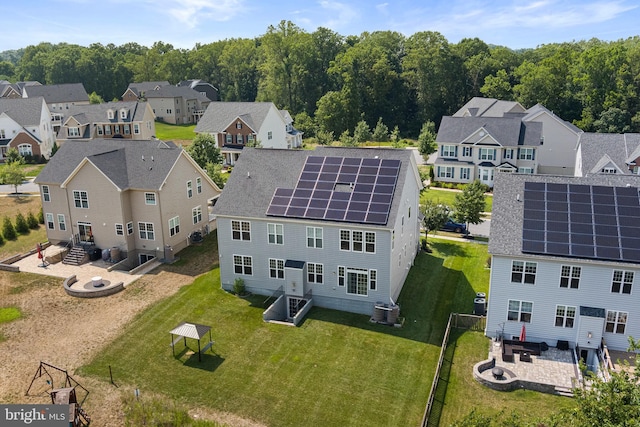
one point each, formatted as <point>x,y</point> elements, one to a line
<point>191,330</point>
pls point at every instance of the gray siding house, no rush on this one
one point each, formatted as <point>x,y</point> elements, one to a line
<point>566,261</point>
<point>143,197</point>
<point>339,245</point>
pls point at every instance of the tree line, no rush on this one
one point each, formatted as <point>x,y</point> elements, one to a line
<point>330,82</point>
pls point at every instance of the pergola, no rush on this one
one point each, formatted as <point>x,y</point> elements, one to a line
<point>191,330</point>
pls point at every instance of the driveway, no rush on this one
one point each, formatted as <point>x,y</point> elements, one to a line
<point>481,229</point>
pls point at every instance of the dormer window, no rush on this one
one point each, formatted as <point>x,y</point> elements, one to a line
<point>110,114</point>
<point>123,113</point>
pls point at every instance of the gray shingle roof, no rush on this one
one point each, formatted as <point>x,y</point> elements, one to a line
<point>175,92</point>
<point>507,216</point>
<point>70,92</point>
<point>219,115</point>
<point>618,147</point>
<point>129,164</point>
<point>488,107</point>
<point>141,87</point>
<point>259,171</point>
<point>533,111</point>
<point>508,131</point>
<point>97,113</point>
<point>25,111</point>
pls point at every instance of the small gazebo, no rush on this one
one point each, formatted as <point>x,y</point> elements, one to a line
<point>191,330</point>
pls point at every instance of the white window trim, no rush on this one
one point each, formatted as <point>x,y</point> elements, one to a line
<point>49,221</point>
<point>519,311</point>
<point>77,199</point>
<point>62,222</point>
<point>150,199</point>
<point>275,230</point>
<point>276,265</point>
<point>119,229</point>
<point>174,226</point>
<point>315,266</point>
<point>143,228</point>
<point>240,230</point>
<point>129,228</point>
<point>243,265</point>
<point>565,316</point>
<point>196,214</point>
<point>46,193</point>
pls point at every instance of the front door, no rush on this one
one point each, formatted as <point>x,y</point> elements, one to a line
<point>84,232</point>
<point>486,176</point>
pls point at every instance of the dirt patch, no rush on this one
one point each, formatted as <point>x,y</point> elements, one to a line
<point>67,332</point>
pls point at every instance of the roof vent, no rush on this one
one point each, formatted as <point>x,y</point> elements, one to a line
<point>143,157</point>
<point>248,174</point>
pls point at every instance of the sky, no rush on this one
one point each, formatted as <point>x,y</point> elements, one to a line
<point>184,23</point>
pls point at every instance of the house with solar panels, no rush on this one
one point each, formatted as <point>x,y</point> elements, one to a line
<point>334,227</point>
<point>487,136</point>
<point>566,261</point>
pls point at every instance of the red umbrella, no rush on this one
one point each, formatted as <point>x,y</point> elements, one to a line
<point>523,334</point>
<point>39,250</point>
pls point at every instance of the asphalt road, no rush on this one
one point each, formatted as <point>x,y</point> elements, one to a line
<point>481,229</point>
<point>26,187</point>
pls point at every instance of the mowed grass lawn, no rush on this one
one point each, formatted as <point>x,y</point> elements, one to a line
<point>335,369</point>
<point>167,132</point>
<point>464,394</point>
<point>10,206</point>
<point>447,197</point>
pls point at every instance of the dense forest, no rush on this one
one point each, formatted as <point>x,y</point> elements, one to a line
<point>331,82</point>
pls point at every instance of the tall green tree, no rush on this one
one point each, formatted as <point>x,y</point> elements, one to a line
<point>13,174</point>
<point>204,149</point>
<point>239,67</point>
<point>427,139</point>
<point>435,215</point>
<point>469,204</point>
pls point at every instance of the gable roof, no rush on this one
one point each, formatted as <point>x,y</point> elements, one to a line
<point>508,207</point>
<point>175,92</point>
<point>25,111</point>
<point>508,131</point>
<point>97,113</point>
<point>69,92</point>
<point>259,171</point>
<point>141,164</point>
<point>141,87</point>
<point>537,109</point>
<point>219,115</point>
<point>617,148</point>
<point>488,107</point>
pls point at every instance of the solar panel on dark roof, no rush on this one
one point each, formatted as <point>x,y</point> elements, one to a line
<point>594,221</point>
<point>340,189</point>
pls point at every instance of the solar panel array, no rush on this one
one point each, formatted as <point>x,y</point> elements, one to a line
<point>340,189</point>
<point>583,221</point>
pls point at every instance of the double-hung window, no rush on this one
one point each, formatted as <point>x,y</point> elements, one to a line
<point>370,242</point>
<point>149,198</point>
<point>46,195</point>
<point>240,230</point>
<point>275,234</point>
<point>523,272</point>
<point>449,150</point>
<point>565,316</point>
<point>146,231</point>
<point>50,224</point>
<point>62,223</point>
<point>487,154</point>
<point>129,228</point>
<point>314,273</point>
<point>199,185</point>
<point>520,311</point>
<point>445,172</point>
<point>622,282</point>
<point>526,154</point>
<point>276,268</point>
<point>570,277</point>
<point>243,264</point>
<point>616,322</point>
<point>314,237</point>
<point>189,189</point>
<point>345,240</point>
<point>81,199</point>
<point>174,225</point>
<point>196,214</point>
<point>119,230</point>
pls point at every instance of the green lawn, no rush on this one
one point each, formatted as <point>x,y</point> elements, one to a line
<point>446,197</point>
<point>7,314</point>
<point>335,369</point>
<point>464,393</point>
<point>168,132</point>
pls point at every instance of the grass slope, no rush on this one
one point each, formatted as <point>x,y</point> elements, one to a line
<point>168,132</point>
<point>447,197</point>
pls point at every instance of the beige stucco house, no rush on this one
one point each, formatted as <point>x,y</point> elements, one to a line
<point>145,198</point>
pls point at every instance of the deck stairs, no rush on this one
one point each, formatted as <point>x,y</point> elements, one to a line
<point>564,391</point>
<point>76,256</point>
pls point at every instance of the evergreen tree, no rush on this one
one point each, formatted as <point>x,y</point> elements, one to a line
<point>381,132</point>
<point>21,224</point>
<point>41,217</point>
<point>32,221</point>
<point>8,231</point>
<point>346,140</point>
<point>362,133</point>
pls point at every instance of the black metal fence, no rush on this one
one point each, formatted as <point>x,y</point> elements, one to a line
<point>435,403</point>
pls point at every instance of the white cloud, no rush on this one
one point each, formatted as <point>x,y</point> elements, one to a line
<point>537,14</point>
<point>382,8</point>
<point>192,12</point>
<point>342,13</point>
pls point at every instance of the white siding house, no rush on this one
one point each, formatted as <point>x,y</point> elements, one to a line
<point>555,267</point>
<point>342,264</point>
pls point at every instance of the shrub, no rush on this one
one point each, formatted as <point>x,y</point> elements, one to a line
<point>40,217</point>
<point>21,224</point>
<point>8,231</point>
<point>238,286</point>
<point>32,221</point>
